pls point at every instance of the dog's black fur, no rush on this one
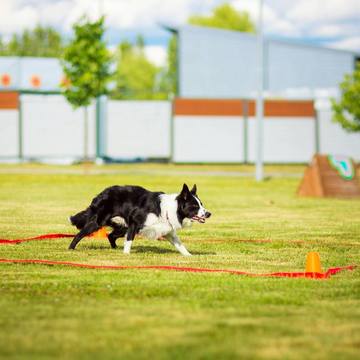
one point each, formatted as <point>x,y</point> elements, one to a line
<point>133,204</point>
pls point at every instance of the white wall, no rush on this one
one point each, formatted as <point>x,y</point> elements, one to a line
<point>333,139</point>
<point>208,139</point>
<point>52,129</point>
<point>9,144</point>
<point>138,129</point>
<point>216,63</point>
<point>286,140</point>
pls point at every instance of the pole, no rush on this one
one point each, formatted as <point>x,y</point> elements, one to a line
<point>100,8</point>
<point>20,129</point>
<point>259,171</point>
<point>86,135</point>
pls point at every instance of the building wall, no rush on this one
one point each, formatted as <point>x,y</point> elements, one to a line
<point>298,66</point>
<point>332,138</point>
<point>216,63</point>
<point>138,129</point>
<point>208,139</point>
<point>22,70</point>
<point>203,130</point>
<point>286,140</point>
<point>9,133</point>
<point>229,133</point>
<point>53,129</point>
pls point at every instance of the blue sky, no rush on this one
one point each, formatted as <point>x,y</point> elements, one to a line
<point>334,23</point>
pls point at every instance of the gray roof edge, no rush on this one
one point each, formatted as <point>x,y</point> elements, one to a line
<point>238,34</point>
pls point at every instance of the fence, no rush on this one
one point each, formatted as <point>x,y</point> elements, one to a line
<point>45,127</point>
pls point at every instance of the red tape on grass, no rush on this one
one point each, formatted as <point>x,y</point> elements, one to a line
<point>325,275</point>
<point>40,237</point>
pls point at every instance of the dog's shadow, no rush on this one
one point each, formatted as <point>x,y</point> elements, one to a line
<point>158,250</point>
<point>141,249</point>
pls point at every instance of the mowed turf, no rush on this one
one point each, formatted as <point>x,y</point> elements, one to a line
<point>49,312</point>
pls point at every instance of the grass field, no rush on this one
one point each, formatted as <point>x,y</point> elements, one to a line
<point>69,313</point>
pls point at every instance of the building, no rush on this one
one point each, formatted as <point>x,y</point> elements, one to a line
<point>30,74</point>
<point>216,63</point>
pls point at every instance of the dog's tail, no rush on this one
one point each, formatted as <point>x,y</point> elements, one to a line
<point>79,220</point>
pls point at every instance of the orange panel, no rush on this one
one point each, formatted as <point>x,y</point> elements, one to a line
<point>234,107</point>
<point>210,107</point>
<point>291,108</point>
<point>285,108</point>
<point>9,100</point>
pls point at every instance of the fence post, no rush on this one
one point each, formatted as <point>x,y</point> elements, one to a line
<point>317,129</point>
<point>100,126</point>
<point>172,128</point>
<point>20,129</point>
<point>245,106</point>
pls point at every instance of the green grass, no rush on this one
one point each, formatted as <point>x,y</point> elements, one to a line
<point>51,312</point>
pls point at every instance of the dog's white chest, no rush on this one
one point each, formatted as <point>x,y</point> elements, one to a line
<point>155,227</point>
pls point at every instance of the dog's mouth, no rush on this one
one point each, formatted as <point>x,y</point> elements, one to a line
<point>199,219</point>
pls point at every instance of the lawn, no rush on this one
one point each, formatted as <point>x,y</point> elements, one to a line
<point>49,312</point>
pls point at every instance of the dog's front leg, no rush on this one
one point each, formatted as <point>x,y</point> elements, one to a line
<point>130,235</point>
<point>173,238</point>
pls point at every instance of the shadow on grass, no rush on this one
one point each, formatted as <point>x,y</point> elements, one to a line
<point>159,250</point>
<point>143,249</point>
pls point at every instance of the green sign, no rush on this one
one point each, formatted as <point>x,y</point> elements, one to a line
<point>343,165</point>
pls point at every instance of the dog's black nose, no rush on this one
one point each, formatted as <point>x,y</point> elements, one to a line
<point>207,214</point>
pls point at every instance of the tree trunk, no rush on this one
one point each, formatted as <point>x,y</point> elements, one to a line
<point>86,135</point>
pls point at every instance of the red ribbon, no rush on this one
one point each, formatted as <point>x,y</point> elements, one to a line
<point>313,275</point>
<point>325,275</point>
<point>40,237</point>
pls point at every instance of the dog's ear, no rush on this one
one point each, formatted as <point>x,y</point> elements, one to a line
<point>185,192</point>
<point>194,189</point>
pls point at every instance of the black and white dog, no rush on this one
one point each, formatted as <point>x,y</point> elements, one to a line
<point>132,210</point>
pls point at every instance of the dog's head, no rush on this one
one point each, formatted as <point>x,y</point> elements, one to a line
<point>190,206</point>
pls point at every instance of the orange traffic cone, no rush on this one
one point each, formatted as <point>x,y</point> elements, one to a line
<point>313,262</point>
<point>101,233</point>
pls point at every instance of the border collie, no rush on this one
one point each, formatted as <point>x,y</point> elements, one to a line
<point>132,210</point>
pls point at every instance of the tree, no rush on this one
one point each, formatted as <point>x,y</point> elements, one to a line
<point>346,111</point>
<point>86,65</point>
<point>39,42</point>
<point>136,77</point>
<point>225,17</point>
<point>171,76</point>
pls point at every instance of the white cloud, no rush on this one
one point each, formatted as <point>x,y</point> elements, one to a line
<point>274,21</point>
<point>339,19</point>
<point>328,30</point>
<point>309,11</point>
<point>12,17</point>
<point>351,43</point>
<point>156,54</point>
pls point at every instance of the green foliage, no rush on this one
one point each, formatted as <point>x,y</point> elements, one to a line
<point>171,76</point>
<point>40,42</point>
<point>136,77</point>
<point>225,17</point>
<point>346,111</point>
<point>86,63</point>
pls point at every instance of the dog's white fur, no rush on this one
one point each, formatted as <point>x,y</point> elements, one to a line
<point>164,225</point>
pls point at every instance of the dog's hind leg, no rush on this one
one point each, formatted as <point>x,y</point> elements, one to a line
<point>89,228</point>
<point>118,231</point>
